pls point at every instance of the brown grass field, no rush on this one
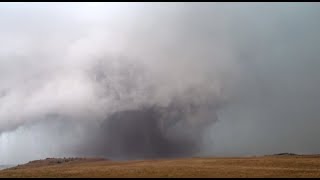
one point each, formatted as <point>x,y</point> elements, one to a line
<point>264,166</point>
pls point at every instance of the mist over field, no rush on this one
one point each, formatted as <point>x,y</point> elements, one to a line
<point>156,80</point>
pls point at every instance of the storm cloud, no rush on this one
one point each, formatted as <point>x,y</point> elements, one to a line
<point>153,80</point>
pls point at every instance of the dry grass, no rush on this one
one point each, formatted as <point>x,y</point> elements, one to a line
<point>267,166</point>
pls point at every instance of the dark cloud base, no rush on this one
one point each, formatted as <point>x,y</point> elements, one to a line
<point>148,132</point>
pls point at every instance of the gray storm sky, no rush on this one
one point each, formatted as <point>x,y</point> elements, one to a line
<point>261,59</point>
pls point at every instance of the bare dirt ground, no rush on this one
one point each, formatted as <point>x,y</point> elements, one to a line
<point>282,165</point>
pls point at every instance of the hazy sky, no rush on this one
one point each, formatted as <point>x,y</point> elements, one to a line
<point>257,61</point>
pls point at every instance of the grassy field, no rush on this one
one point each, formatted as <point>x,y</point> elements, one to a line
<point>266,166</point>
